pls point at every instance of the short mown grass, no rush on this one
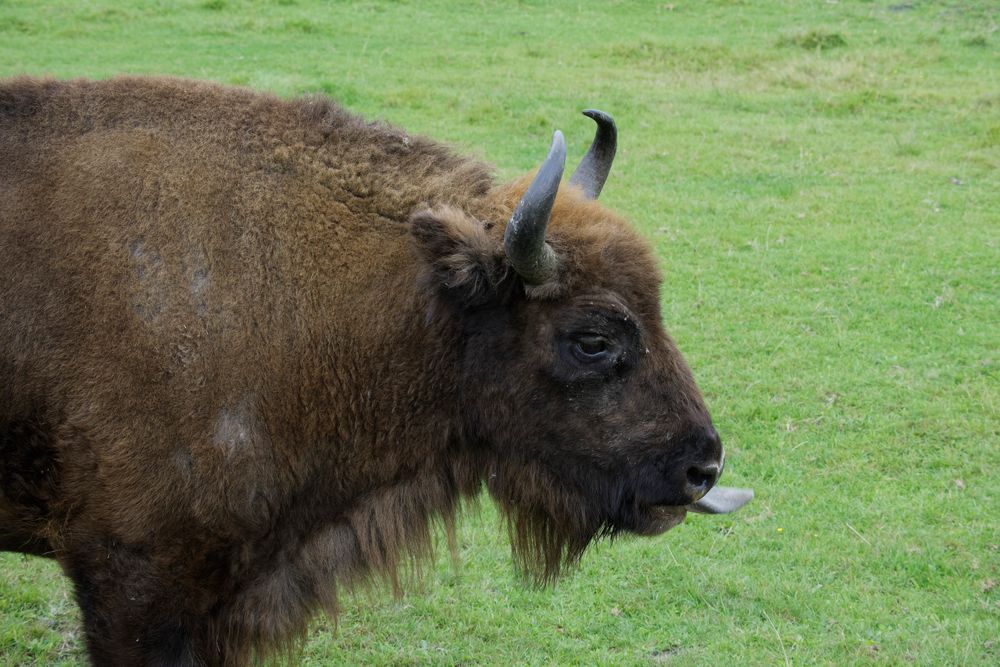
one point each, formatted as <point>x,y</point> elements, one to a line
<point>822,183</point>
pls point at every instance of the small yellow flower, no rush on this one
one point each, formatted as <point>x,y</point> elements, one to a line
<point>781,530</point>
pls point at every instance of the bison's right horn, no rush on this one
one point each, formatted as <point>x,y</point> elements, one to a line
<point>594,168</point>
<point>524,240</point>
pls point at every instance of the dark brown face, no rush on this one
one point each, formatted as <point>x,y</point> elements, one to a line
<point>597,403</point>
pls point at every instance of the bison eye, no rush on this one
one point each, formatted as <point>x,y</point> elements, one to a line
<point>591,348</point>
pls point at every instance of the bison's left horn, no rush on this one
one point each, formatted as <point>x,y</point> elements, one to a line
<point>594,168</point>
<point>524,240</point>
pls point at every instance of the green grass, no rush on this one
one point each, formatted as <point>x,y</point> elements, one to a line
<point>822,183</point>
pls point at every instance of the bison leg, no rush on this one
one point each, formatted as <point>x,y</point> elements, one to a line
<point>16,534</point>
<point>27,485</point>
<point>135,615</point>
<point>25,543</point>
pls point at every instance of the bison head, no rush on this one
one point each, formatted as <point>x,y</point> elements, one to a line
<point>574,399</point>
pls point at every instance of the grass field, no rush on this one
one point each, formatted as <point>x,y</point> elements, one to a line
<point>822,183</point>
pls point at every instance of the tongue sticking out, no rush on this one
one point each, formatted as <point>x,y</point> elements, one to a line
<point>722,500</point>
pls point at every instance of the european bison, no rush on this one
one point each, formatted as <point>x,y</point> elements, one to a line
<point>251,349</point>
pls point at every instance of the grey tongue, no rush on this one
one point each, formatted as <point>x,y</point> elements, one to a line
<point>722,500</point>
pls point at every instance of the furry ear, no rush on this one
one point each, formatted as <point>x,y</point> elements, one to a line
<point>462,260</point>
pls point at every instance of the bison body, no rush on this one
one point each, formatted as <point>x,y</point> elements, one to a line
<point>250,349</point>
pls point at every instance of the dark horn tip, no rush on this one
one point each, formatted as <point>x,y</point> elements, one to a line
<point>596,164</point>
<point>599,117</point>
<point>558,145</point>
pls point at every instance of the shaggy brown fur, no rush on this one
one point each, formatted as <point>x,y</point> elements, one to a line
<point>251,349</point>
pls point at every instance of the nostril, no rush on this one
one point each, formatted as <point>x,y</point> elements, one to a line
<point>701,478</point>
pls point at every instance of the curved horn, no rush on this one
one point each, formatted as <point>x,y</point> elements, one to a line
<point>596,164</point>
<point>524,239</point>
